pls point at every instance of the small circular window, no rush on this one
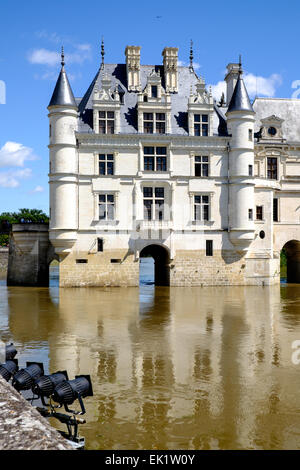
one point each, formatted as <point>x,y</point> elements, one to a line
<point>272,131</point>
<point>262,234</point>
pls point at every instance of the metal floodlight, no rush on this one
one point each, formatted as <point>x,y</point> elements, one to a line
<point>67,392</point>
<point>10,352</point>
<point>45,385</point>
<point>25,378</point>
<point>8,369</point>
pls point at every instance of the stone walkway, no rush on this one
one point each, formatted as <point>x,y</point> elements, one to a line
<point>22,427</point>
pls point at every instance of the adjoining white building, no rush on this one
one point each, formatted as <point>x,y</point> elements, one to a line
<point>147,163</point>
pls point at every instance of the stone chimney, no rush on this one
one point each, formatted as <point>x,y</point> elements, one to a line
<point>170,61</point>
<point>133,65</point>
<point>231,79</point>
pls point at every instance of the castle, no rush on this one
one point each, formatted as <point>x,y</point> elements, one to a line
<point>147,163</point>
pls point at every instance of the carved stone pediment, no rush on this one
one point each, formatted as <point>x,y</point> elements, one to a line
<point>106,93</point>
<point>201,96</point>
<point>271,128</point>
<point>272,119</point>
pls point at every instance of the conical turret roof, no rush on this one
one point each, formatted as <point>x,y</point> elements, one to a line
<point>240,100</point>
<point>63,94</point>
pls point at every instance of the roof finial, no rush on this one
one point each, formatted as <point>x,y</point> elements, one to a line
<point>62,57</point>
<point>240,65</point>
<point>102,51</point>
<point>191,54</point>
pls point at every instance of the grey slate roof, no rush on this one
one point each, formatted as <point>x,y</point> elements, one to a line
<point>128,121</point>
<point>62,95</point>
<point>284,108</point>
<point>240,100</point>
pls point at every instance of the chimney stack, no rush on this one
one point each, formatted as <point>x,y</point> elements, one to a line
<point>231,79</point>
<point>133,65</point>
<point>170,61</point>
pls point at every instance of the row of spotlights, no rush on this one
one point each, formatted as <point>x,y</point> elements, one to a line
<point>57,385</point>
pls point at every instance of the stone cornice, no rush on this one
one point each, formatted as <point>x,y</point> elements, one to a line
<point>134,140</point>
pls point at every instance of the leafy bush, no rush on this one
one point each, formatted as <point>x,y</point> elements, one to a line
<point>23,216</point>
<point>3,240</point>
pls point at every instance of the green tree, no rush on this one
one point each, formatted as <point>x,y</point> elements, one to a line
<point>30,216</point>
<point>23,216</point>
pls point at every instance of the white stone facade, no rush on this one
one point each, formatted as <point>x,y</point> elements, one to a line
<point>147,159</point>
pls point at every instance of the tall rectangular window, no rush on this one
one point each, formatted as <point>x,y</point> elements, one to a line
<point>106,122</point>
<point>250,170</point>
<point>259,212</point>
<point>201,207</point>
<point>154,91</point>
<point>106,207</point>
<point>272,170</point>
<point>99,244</point>
<point>160,123</point>
<point>148,123</point>
<point>153,203</point>
<point>155,158</point>
<point>250,214</point>
<point>275,210</point>
<point>154,123</point>
<point>209,248</point>
<point>106,164</point>
<point>201,124</point>
<point>201,166</point>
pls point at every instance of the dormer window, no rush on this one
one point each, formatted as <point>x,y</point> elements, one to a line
<point>200,110</point>
<point>272,131</point>
<point>154,107</point>
<point>201,125</point>
<point>154,123</point>
<point>271,128</point>
<point>148,123</point>
<point>107,105</point>
<point>154,91</point>
<point>106,122</point>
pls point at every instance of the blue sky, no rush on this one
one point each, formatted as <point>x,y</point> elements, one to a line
<point>264,32</point>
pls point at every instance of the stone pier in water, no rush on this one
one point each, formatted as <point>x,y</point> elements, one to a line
<point>30,254</point>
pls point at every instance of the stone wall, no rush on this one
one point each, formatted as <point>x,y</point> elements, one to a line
<point>110,268</point>
<point>29,255</point>
<point>194,268</point>
<point>3,259</point>
<point>22,427</point>
<point>188,268</point>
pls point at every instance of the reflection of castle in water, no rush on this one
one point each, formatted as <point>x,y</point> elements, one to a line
<point>207,367</point>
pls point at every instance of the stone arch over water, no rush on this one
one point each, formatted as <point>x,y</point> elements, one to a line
<point>292,254</point>
<point>161,257</point>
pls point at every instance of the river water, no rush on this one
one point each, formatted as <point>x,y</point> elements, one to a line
<point>172,368</point>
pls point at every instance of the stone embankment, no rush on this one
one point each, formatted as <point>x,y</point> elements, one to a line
<point>22,427</point>
<point>3,259</point>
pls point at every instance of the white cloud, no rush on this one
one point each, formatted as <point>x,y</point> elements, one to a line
<point>52,37</point>
<point>13,154</point>
<point>10,179</point>
<point>182,63</point>
<point>38,189</point>
<point>256,86</point>
<point>218,89</point>
<point>262,86</point>
<point>51,58</point>
<point>44,57</point>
